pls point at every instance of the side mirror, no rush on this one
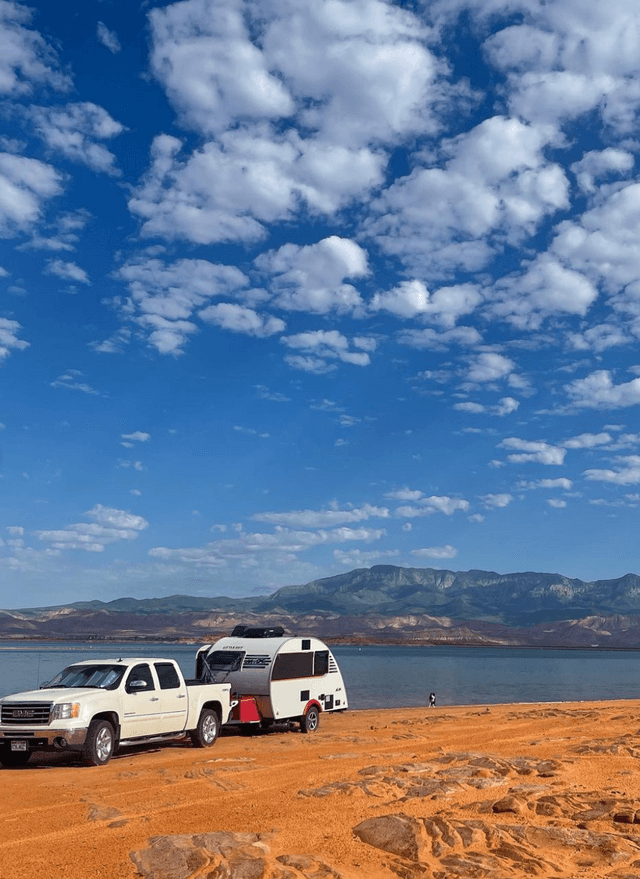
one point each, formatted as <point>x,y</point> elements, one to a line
<point>132,686</point>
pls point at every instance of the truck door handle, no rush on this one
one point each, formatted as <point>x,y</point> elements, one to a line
<point>154,699</point>
<point>183,696</point>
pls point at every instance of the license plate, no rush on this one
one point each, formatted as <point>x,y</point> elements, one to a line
<point>18,746</point>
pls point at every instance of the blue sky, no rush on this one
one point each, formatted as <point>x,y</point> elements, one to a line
<point>290,288</point>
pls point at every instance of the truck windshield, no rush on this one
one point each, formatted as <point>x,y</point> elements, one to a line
<point>225,660</point>
<point>106,677</point>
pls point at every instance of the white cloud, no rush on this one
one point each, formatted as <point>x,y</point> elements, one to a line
<point>71,381</point>
<point>627,472</point>
<point>496,501</point>
<point>561,482</point>
<point>357,558</point>
<point>537,451</point>
<point>587,441</point>
<point>138,436</point>
<point>110,526</point>
<point>240,319</point>
<point>440,341</point>
<point>488,366</point>
<point>404,494</point>
<point>69,271</point>
<point>496,182</point>
<point>9,340</point>
<point>282,540</point>
<point>108,38</point>
<point>436,552</point>
<point>505,406</point>
<point>601,163</point>
<point>15,530</point>
<point>433,504</point>
<point>545,288</point>
<point>597,391</point>
<point>312,277</point>
<point>444,306</point>
<point>556,504</point>
<point>74,129</point>
<point>321,346</point>
<point>25,58</point>
<point>25,184</point>
<point>322,518</point>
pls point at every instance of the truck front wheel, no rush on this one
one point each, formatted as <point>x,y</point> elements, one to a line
<point>14,758</point>
<point>100,743</point>
<point>205,734</point>
<point>310,721</point>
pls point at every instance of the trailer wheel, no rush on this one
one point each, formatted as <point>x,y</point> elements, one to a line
<point>205,734</point>
<point>310,721</point>
<point>14,758</point>
<point>99,744</point>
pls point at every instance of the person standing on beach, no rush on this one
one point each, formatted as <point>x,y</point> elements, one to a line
<point>432,700</point>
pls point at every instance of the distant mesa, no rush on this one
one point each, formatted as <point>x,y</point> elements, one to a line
<point>382,604</point>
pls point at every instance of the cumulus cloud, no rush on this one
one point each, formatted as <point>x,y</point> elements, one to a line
<point>26,59</point>
<point>433,504</point>
<point>411,298</point>
<point>598,391</point>
<point>9,340</point>
<point>138,436</point>
<point>281,540</point>
<point>25,185</point>
<point>312,277</point>
<point>71,380</point>
<point>495,180</point>
<point>241,319</point>
<point>436,552</point>
<point>561,482</point>
<point>488,366</point>
<point>626,471</point>
<point>68,271</point>
<point>496,501</point>
<point>437,340</point>
<point>322,518</point>
<point>587,441</point>
<point>75,129</point>
<point>505,406</point>
<point>537,451</point>
<point>320,347</point>
<point>109,526</point>
<point>108,38</point>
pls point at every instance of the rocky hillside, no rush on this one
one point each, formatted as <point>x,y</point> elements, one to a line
<point>383,603</point>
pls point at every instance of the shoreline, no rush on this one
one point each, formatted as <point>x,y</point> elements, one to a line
<point>544,788</point>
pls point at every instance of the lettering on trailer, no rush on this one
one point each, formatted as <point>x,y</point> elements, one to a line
<point>256,661</point>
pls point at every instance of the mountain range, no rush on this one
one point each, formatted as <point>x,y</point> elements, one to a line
<point>384,603</point>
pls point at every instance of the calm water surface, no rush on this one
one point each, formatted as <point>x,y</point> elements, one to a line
<point>391,676</point>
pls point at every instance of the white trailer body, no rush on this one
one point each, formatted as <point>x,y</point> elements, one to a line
<point>284,677</point>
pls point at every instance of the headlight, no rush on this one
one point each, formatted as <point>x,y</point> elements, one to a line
<point>65,711</point>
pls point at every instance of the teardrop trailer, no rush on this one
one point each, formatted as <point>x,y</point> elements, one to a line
<point>274,677</point>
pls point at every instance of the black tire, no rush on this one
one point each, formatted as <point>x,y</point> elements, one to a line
<point>310,721</point>
<point>14,758</point>
<point>206,733</point>
<point>100,743</point>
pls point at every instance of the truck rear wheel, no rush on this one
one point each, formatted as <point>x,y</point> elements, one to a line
<point>14,758</point>
<point>100,743</point>
<point>205,734</point>
<point>310,721</point>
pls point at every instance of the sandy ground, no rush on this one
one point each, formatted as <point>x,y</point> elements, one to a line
<point>498,791</point>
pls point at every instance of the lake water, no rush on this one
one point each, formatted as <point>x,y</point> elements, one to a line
<point>389,676</point>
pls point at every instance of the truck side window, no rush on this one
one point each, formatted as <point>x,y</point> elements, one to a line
<point>289,666</point>
<point>320,663</point>
<point>141,673</point>
<point>167,675</point>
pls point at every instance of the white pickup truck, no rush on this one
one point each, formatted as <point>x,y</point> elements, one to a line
<point>93,707</point>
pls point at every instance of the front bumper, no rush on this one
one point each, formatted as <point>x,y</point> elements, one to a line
<point>45,739</point>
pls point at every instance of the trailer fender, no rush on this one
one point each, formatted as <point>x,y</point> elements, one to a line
<point>309,704</point>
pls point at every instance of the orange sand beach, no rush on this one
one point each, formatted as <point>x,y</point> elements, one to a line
<point>472,791</point>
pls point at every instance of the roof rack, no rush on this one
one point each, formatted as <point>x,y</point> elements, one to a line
<point>257,632</point>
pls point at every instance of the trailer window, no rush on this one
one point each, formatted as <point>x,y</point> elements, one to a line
<point>225,660</point>
<point>289,666</point>
<point>320,663</point>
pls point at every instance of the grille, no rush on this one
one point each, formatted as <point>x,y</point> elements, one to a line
<point>26,713</point>
<point>333,667</point>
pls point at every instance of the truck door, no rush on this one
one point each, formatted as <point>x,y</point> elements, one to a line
<point>174,700</point>
<point>140,705</point>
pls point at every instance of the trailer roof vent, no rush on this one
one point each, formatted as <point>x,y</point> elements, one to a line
<point>258,632</point>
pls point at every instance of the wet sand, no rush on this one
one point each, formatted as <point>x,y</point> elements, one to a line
<point>498,791</point>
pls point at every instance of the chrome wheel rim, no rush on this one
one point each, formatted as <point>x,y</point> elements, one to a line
<point>104,744</point>
<point>312,720</point>
<point>209,728</point>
